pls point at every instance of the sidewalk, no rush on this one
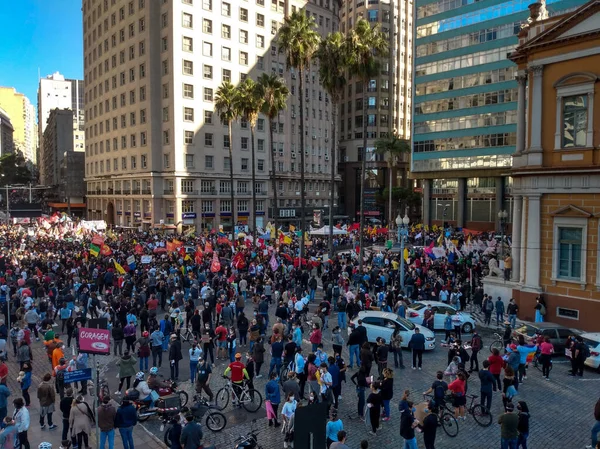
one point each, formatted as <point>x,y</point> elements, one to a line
<point>141,436</point>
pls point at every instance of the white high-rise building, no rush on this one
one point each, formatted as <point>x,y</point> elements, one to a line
<point>156,150</point>
<point>56,92</point>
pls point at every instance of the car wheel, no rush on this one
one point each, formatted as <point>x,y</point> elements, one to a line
<point>467,328</point>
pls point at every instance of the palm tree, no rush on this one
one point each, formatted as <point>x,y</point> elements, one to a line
<point>333,62</point>
<point>392,147</point>
<point>365,44</point>
<point>299,40</point>
<point>274,92</point>
<point>249,104</point>
<point>226,107</point>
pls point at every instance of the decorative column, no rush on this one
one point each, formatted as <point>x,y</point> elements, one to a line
<point>499,201</point>
<point>516,238</point>
<point>427,186</point>
<point>535,145</point>
<point>521,109</point>
<point>462,202</point>
<point>524,239</point>
<point>532,268</point>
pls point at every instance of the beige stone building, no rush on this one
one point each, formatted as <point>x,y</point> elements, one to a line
<point>22,116</point>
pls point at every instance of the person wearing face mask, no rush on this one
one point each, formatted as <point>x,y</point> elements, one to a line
<point>325,382</point>
<point>287,415</point>
<point>429,426</point>
<point>359,379</point>
<point>407,426</point>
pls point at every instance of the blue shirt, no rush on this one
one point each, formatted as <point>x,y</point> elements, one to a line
<point>157,338</point>
<point>333,427</point>
<point>4,394</point>
<point>335,374</point>
<point>272,392</point>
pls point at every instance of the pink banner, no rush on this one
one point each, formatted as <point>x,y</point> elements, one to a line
<point>94,341</point>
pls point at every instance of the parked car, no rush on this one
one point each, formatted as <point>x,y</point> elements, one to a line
<point>417,309</point>
<point>592,339</point>
<point>558,334</point>
<point>383,324</point>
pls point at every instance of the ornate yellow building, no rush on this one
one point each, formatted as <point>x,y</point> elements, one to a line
<point>556,167</point>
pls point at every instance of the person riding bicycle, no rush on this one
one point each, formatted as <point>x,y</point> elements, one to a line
<point>145,391</point>
<point>238,373</point>
<point>154,382</point>
<point>438,389</point>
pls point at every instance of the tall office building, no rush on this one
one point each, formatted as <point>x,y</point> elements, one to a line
<point>56,92</point>
<point>22,116</point>
<point>465,106</point>
<point>388,100</point>
<point>6,134</point>
<point>155,148</point>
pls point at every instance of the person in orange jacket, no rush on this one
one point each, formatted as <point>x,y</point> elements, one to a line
<point>57,354</point>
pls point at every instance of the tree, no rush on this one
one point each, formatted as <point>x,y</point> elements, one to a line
<point>249,105</point>
<point>226,107</point>
<point>391,147</point>
<point>13,169</point>
<point>333,62</point>
<point>273,90</point>
<point>299,40</point>
<point>365,45</point>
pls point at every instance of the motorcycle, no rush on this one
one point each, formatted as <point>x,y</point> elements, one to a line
<point>166,406</point>
<point>250,440</point>
<point>172,389</point>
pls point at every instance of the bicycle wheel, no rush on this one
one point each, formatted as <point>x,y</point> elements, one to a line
<point>216,421</point>
<point>167,436</point>
<point>283,375</point>
<point>449,424</point>
<point>481,416</point>
<point>498,344</point>
<point>222,398</point>
<point>251,400</point>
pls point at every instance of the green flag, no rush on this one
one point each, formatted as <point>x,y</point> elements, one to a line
<point>94,250</point>
<point>389,244</point>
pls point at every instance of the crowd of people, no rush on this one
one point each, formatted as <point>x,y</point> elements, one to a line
<point>237,303</point>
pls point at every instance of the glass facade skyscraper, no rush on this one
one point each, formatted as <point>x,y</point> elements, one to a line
<point>465,106</point>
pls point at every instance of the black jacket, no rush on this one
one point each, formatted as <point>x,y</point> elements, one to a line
<point>175,351</point>
<point>406,429</point>
<point>354,338</point>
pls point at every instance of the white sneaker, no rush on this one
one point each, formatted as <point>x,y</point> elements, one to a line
<point>118,393</point>
<point>259,376</point>
<point>419,368</point>
<point>414,367</point>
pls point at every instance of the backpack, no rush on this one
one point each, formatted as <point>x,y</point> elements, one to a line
<point>585,351</point>
<point>95,302</point>
<point>60,376</point>
<point>439,392</point>
<point>336,290</point>
<point>489,306</point>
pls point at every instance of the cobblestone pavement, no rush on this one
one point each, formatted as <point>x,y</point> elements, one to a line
<point>561,409</point>
<point>557,407</point>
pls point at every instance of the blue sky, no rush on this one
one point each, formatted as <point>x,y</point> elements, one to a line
<point>40,34</point>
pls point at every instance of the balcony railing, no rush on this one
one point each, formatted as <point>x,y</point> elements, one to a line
<point>146,191</point>
<point>136,191</point>
<point>208,191</point>
<point>189,192</point>
<point>117,191</point>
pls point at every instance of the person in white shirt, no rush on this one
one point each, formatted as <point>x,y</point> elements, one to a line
<point>325,382</point>
<point>195,354</point>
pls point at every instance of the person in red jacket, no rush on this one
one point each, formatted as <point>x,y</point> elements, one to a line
<point>238,373</point>
<point>496,364</point>
<point>315,337</point>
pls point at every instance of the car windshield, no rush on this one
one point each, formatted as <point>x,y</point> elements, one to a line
<point>591,343</point>
<point>526,329</point>
<point>407,324</point>
<point>417,306</point>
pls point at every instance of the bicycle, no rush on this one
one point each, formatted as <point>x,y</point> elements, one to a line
<point>480,414</point>
<point>498,343</point>
<point>249,398</point>
<point>188,335</point>
<point>538,364</point>
<point>283,372</point>
<point>215,421</point>
<point>445,417</point>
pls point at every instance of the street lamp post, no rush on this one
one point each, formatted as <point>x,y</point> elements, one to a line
<point>402,224</point>
<point>502,215</point>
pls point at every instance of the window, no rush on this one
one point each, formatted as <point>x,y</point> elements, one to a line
<point>208,94</point>
<point>165,114</point>
<point>187,20</point>
<point>260,20</point>
<point>225,205</point>
<point>224,187</point>
<point>188,91</point>
<point>207,48</point>
<point>242,187</point>
<point>244,143</point>
<point>207,26</point>
<point>226,9</point>
<point>209,162</point>
<point>242,205</point>
<point>188,67</point>
<point>133,162</point>
<point>188,44</point>
<point>207,72</point>
<point>124,163</point>
<point>225,31</point>
<point>207,206</point>
<point>188,114</point>
<point>575,119</point>
<point>226,53</point>
<point>570,241</point>
<point>243,58</point>
<point>260,205</point>
<point>260,164</point>
<point>164,44</point>
<point>187,206</point>
<point>207,4</point>
<point>166,161</point>
<point>243,37</point>
<point>244,164</point>
<point>226,75</point>
<point>260,41</point>
<point>243,14</point>
<point>225,141</point>
<point>187,185</point>
<point>189,161</point>
<point>208,117</point>
<point>226,163</point>
<point>208,139</point>
<point>143,142</point>
<point>166,137</point>
<point>188,137</point>
<point>142,116</point>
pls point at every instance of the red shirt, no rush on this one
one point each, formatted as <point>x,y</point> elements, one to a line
<point>496,363</point>
<point>3,372</point>
<point>546,348</point>
<point>221,333</point>
<point>237,371</point>
<point>152,304</point>
<point>458,386</point>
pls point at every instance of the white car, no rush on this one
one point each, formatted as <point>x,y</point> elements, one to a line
<point>592,339</point>
<point>416,311</point>
<point>383,324</point>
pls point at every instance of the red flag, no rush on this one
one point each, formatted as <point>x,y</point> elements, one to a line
<point>38,272</point>
<point>182,252</point>
<point>198,255</point>
<point>139,250</point>
<point>171,247</point>
<point>215,266</point>
<point>105,250</point>
<point>208,248</point>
